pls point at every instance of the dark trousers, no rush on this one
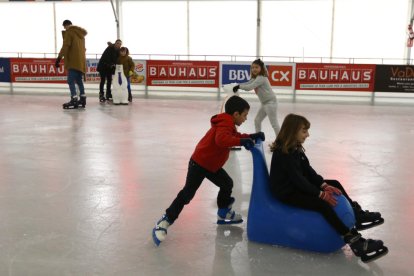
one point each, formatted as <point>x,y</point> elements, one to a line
<point>105,76</point>
<point>195,176</point>
<point>313,203</point>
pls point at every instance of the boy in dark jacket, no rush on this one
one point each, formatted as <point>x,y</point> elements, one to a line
<point>207,161</point>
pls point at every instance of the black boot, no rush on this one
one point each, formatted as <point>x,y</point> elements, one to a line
<point>73,103</point>
<point>368,250</point>
<point>130,97</point>
<point>366,219</point>
<point>82,101</point>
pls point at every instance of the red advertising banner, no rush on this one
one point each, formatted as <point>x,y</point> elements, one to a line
<point>341,77</point>
<point>37,70</point>
<point>183,73</point>
<point>281,75</point>
<point>92,75</point>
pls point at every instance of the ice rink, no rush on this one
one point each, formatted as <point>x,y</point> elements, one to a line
<point>81,190</point>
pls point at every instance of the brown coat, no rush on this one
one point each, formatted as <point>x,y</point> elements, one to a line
<point>73,49</point>
<point>127,63</point>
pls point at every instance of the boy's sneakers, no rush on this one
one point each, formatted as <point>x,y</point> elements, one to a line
<point>228,216</point>
<point>159,233</point>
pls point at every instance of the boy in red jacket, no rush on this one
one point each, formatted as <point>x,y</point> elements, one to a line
<point>207,161</point>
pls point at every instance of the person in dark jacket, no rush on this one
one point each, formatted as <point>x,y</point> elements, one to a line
<point>207,161</point>
<point>73,52</point>
<point>106,68</point>
<point>293,181</point>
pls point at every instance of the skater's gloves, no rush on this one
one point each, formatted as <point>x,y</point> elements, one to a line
<point>256,136</point>
<point>332,189</point>
<point>247,143</point>
<point>57,65</point>
<point>236,88</point>
<point>328,197</point>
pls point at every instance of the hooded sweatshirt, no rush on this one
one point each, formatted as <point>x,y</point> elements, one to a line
<point>73,48</point>
<point>214,148</point>
<point>262,87</point>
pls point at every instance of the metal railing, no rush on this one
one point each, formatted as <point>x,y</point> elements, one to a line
<point>231,58</point>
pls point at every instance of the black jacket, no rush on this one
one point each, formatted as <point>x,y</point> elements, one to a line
<point>108,59</point>
<point>292,173</point>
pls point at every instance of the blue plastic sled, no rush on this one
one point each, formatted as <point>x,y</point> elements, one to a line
<point>272,222</point>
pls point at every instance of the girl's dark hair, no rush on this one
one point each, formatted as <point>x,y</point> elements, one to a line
<point>286,140</point>
<point>236,104</point>
<point>263,70</point>
<point>124,49</point>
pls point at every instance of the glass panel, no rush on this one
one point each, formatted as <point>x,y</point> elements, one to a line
<point>26,27</point>
<point>223,28</point>
<point>153,27</point>
<point>296,28</point>
<point>370,28</point>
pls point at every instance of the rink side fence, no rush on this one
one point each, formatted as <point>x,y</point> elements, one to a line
<point>369,82</point>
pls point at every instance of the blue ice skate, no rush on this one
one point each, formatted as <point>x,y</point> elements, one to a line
<point>159,232</point>
<point>228,216</point>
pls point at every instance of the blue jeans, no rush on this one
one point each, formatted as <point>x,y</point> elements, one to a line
<point>75,76</point>
<point>129,84</point>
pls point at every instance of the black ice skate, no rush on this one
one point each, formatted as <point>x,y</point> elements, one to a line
<point>72,104</point>
<point>101,98</point>
<point>82,101</point>
<point>368,250</point>
<point>366,219</point>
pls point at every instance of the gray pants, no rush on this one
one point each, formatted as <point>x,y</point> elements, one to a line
<point>269,110</point>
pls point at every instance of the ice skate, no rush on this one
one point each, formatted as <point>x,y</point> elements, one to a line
<point>101,98</point>
<point>72,104</point>
<point>159,232</point>
<point>228,216</point>
<point>366,219</point>
<point>368,250</point>
<point>82,101</point>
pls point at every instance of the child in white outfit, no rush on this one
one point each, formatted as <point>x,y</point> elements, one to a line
<point>261,85</point>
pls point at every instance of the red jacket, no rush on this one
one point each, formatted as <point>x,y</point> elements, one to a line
<point>214,148</point>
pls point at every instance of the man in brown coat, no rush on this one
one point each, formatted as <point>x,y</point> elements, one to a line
<point>74,53</point>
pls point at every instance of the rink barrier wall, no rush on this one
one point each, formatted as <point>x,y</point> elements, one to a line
<point>294,79</point>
